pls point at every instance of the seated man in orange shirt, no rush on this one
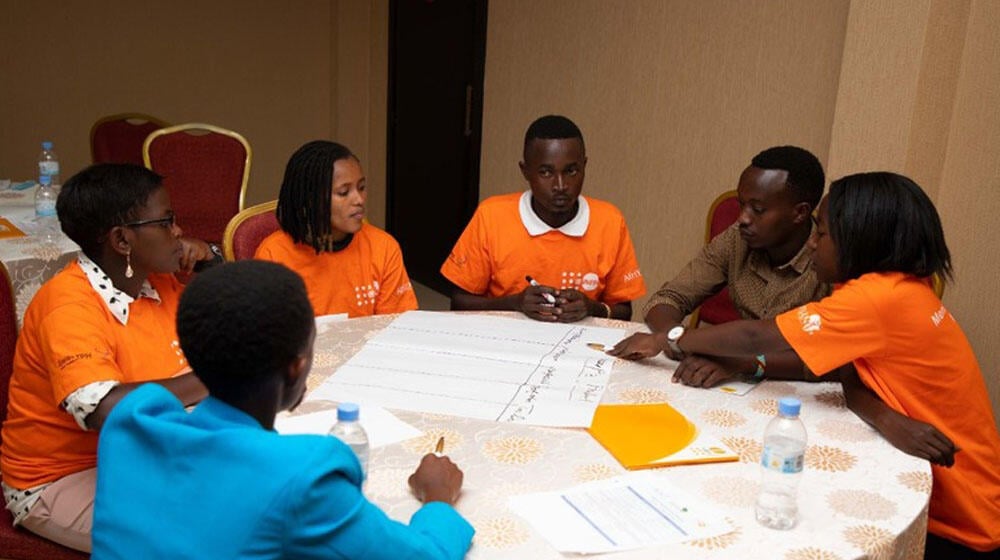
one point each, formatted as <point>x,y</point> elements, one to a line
<point>348,265</point>
<point>905,364</point>
<point>548,252</point>
<point>94,332</point>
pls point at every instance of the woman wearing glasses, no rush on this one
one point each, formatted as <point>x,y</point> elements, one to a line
<point>348,265</point>
<point>95,331</point>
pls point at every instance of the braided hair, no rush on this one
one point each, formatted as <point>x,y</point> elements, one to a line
<point>304,201</point>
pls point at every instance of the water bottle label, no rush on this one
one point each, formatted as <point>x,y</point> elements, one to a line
<point>48,167</point>
<point>775,460</point>
<point>45,208</point>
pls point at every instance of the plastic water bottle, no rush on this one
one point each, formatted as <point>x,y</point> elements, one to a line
<point>348,429</point>
<point>781,466</point>
<point>48,164</point>
<point>45,208</point>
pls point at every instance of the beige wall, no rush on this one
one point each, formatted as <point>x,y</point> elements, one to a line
<point>259,67</point>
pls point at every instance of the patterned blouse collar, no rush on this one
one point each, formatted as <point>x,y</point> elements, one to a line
<point>576,227</point>
<point>116,300</point>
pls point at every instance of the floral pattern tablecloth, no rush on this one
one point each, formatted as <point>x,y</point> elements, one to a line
<point>859,498</point>
<point>33,259</point>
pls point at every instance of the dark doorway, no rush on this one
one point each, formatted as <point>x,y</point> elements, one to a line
<point>437,50</point>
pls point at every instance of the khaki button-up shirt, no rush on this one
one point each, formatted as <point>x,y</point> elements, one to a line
<point>758,290</point>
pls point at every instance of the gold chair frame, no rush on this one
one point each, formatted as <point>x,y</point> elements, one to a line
<point>237,220</point>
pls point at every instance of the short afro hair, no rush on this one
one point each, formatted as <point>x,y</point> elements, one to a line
<point>101,197</point>
<point>551,127</point>
<point>241,324</point>
<point>805,173</point>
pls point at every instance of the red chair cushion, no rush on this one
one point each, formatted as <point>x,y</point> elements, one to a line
<point>719,308</point>
<point>120,141</point>
<point>251,232</point>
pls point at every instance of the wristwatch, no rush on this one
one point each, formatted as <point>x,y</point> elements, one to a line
<point>673,335</point>
<point>216,251</point>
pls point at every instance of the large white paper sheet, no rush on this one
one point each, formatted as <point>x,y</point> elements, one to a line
<point>621,513</point>
<point>480,366</point>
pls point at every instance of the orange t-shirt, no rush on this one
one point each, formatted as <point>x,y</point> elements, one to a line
<point>365,278</point>
<point>71,339</point>
<point>911,352</point>
<point>496,252</point>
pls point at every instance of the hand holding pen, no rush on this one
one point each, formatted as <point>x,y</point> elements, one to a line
<point>539,302</point>
<point>437,479</point>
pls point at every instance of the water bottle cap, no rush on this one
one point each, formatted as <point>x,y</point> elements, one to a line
<point>789,406</point>
<point>47,145</point>
<point>347,411</point>
<point>45,180</point>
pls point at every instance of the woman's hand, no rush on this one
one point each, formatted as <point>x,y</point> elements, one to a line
<point>193,251</point>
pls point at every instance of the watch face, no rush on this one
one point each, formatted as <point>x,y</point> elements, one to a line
<point>675,333</point>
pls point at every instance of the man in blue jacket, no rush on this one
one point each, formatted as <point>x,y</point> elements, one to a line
<point>219,482</point>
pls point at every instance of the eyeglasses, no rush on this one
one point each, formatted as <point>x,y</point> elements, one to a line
<point>166,222</point>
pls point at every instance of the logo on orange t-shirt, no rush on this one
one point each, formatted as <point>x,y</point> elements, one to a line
<point>366,294</point>
<point>811,322</point>
<point>587,282</point>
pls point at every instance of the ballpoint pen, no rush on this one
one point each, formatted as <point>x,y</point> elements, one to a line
<point>548,297</point>
<point>439,448</point>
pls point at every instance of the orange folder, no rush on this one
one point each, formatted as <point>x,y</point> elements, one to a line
<point>8,229</point>
<point>643,436</point>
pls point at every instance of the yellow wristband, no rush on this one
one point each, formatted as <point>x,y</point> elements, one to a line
<point>607,310</point>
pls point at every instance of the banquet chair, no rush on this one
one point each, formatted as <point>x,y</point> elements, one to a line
<point>17,543</point>
<point>247,229</point>
<point>719,308</point>
<point>205,169</point>
<point>119,138</point>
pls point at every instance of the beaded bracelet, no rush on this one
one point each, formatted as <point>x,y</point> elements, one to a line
<point>761,366</point>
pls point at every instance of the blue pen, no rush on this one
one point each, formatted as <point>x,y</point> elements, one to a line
<point>548,297</point>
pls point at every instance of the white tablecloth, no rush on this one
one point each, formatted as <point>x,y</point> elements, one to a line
<point>33,259</point>
<point>859,498</point>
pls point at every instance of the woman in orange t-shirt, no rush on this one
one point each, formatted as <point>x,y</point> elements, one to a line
<point>879,238</point>
<point>95,331</point>
<point>348,265</point>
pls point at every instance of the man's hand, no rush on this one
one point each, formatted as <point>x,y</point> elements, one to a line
<point>639,346</point>
<point>573,305</point>
<point>534,303</point>
<point>194,250</point>
<point>917,438</point>
<point>699,371</point>
<point>437,479</point>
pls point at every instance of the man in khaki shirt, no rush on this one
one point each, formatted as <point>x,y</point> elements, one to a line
<point>764,260</point>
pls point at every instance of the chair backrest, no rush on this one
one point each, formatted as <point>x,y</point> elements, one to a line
<point>247,229</point>
<point>119,138</point>
<point>205,169</point>
<point>723,212</point>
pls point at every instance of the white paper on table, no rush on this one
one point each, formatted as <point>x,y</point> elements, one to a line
<point>736,387</point>
<point>479,366</point>
<point>626,512</point>
<point>382,427</point>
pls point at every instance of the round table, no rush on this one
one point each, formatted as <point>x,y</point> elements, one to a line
<point>859,497</point>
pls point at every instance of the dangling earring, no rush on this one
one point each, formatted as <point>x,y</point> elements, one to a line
<point>128,265</point>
